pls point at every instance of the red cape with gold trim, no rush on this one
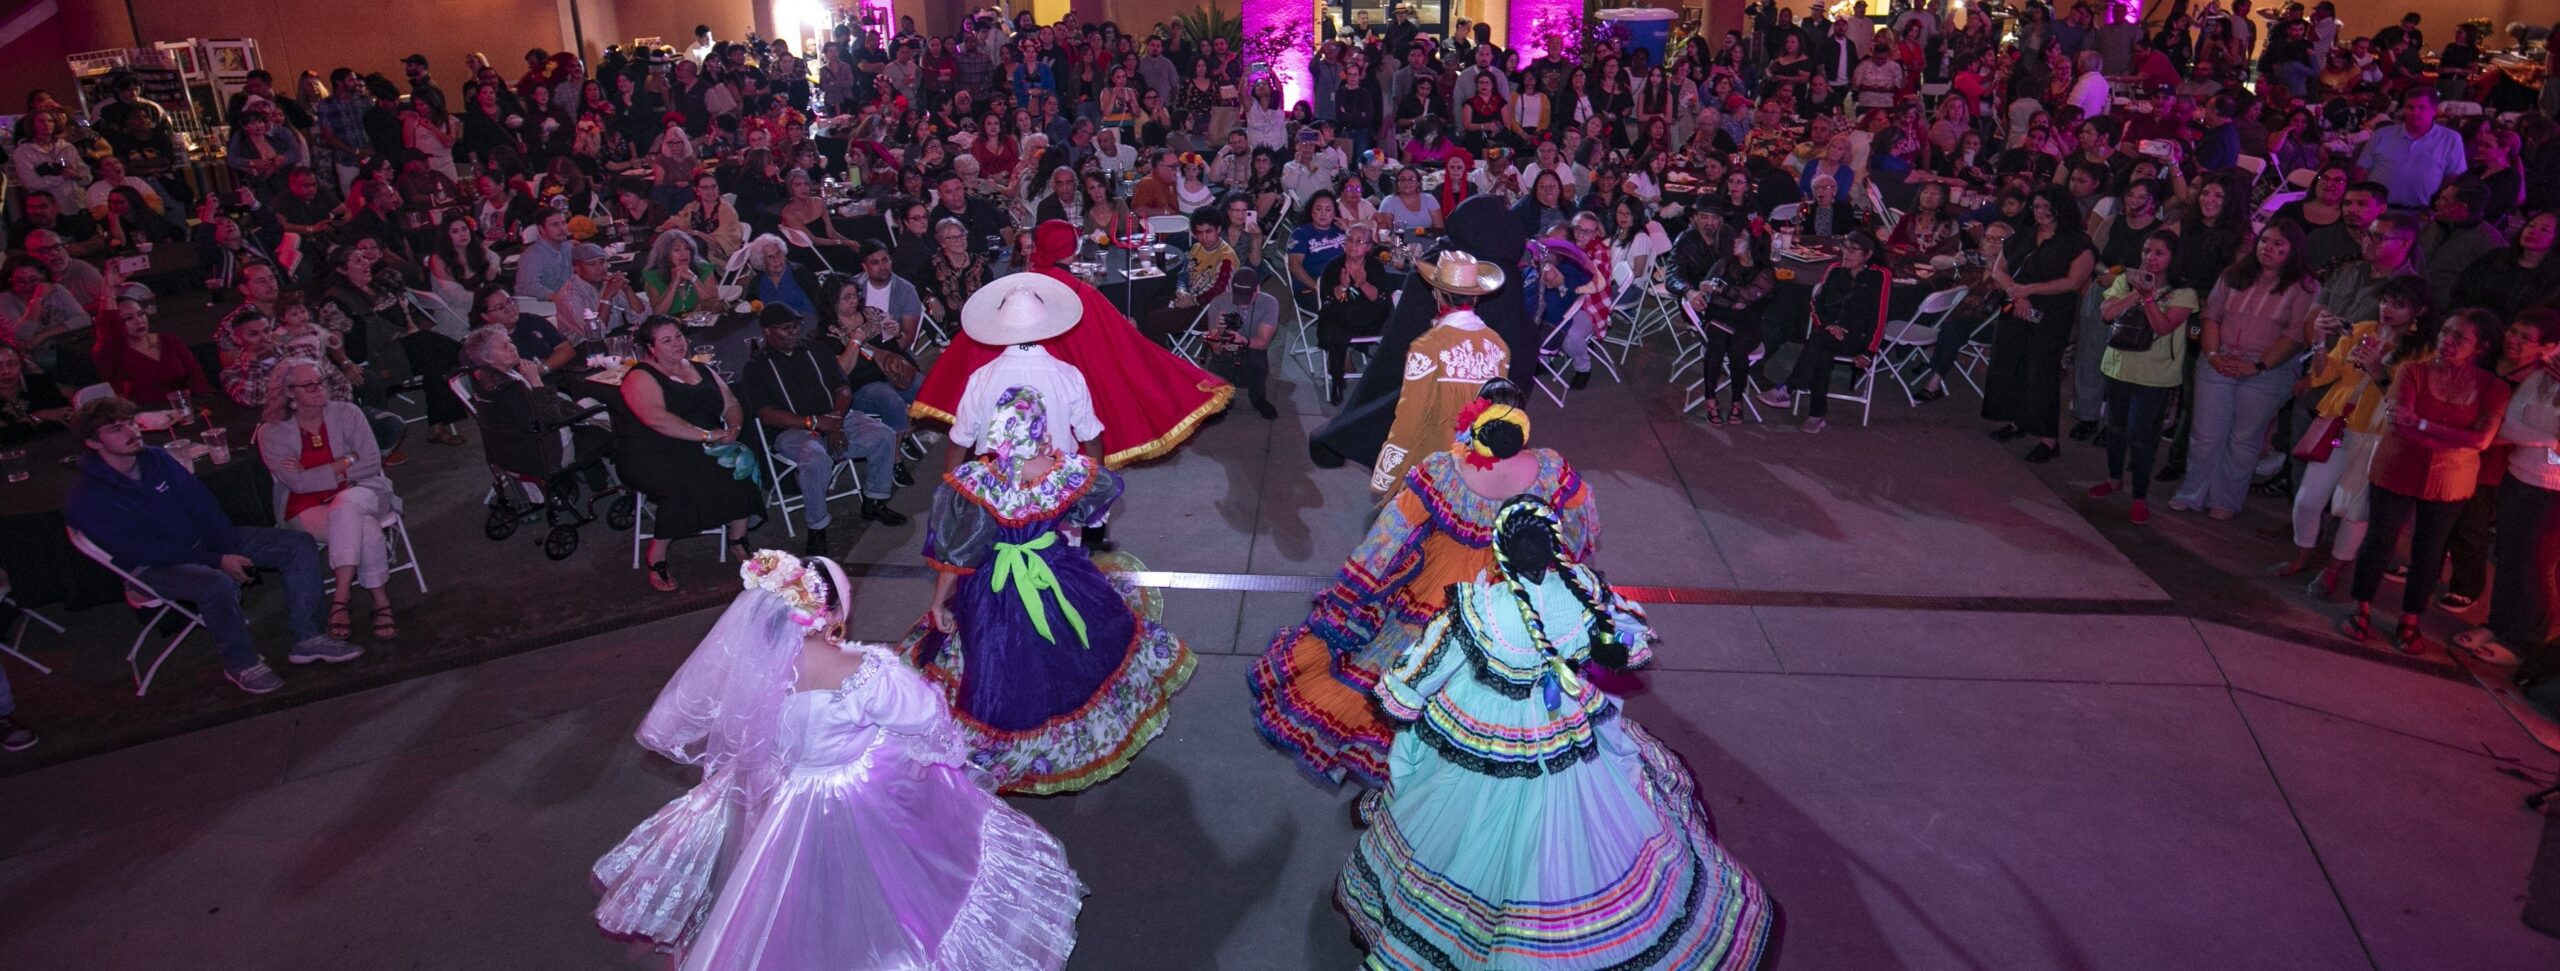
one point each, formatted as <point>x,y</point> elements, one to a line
<point>1149,400</point>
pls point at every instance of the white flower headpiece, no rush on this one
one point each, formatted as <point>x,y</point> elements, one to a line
<point>784,575</point>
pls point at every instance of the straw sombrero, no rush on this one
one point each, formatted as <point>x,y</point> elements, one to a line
<point>1460,273</point>
<point>1020,308</point>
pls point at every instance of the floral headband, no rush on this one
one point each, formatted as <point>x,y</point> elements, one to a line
<point>784,575</point>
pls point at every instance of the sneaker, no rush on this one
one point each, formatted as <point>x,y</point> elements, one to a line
<point>1811,426</point>
<point>900,475</point>
<point>1776,398</point>
<point>394,459</point>
<point>324,648</point>
<point>2081,431</point>
<point>912,447</point>
<point>15,737</point>
<point>2141,513</point>
<point>878,511</point>
<point>256,679</point>
<point>2455,601</point>
<point>2103,489</point>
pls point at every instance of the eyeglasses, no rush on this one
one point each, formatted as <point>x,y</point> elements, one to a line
<point>303,386</point>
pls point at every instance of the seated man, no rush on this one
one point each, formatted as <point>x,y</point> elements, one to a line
<point>263,345</point>
<point>595,301</point>
<point>891,293</point>
<point>157,522</point>
<point>544,265</point>
<point>793,388</point>
<point>1204,279</point>
<point>534,337</point>
<point>40,212</point>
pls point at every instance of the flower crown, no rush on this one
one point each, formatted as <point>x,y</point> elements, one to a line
<point>784,575</point>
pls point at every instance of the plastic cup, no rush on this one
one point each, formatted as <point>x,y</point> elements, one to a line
<point>217,446</point>
<point>13,465</point>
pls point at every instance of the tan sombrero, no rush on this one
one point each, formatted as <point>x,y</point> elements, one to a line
<point>1019,308</point>
<point>1458,272</point>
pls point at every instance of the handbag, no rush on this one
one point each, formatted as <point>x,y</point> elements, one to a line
<point>2321,439</point>
<point>2131,332</point>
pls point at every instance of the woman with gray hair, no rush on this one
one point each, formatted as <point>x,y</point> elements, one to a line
<point>525,427</point>
<point>330,484</point>
<point>676,276</point>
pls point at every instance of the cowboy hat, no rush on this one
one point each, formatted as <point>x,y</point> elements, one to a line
<point>1458,273</point>
<point>1020,308</point>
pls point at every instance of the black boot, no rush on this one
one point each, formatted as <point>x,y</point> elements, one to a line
<point>1262,406</point>
<point>878,511</point>
<point>817,545</point>
<point>1581,380</point>
<point>2081,431</point>
<point>1333,390</point>
<point>903,477</point>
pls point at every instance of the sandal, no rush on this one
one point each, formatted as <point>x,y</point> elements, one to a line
<point>660,579</point>
<point>385,627</point>
<point>341,623</point>
<point>2358,626</point>
<point>1715,414</point>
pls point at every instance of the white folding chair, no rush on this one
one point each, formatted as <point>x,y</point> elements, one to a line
<point>18,634</point>
<point>92,393</point>
<point>2254,165</point>
<point>1171,230</point>
<point>1310,354</point>
<point>1785,212</point>
<point>1976,353</point>
<point>2105,209</point>
<point>1192,343</point>
<point>782,480</point>
<point>141,598</point>
<point>1907,341</point>
<point>537,307</point>
<point>644,515</point>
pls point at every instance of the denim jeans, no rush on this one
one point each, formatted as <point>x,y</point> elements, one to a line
<point>2088,383</point>
<point>866,440</point>
<point>216,597</point>
<point>2133,421</point>
<point>2228,433</point>
<point>886,402</point>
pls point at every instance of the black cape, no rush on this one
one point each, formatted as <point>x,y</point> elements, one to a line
<point>1484,227</point>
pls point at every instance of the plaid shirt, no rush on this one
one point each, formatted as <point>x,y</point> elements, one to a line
<point>971,68</point>
<point>344,118</point>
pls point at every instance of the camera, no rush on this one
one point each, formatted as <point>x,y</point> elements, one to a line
<point>48,168</point>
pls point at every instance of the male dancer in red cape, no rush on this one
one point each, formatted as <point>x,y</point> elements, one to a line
<point>1148,399</point>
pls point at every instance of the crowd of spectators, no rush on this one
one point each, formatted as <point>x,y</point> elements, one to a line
<point>2087,180</point>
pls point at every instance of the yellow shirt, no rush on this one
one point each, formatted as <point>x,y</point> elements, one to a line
<point>2351,391</point>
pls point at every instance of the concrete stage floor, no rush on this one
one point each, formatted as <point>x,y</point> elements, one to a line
<point>1953,714</point>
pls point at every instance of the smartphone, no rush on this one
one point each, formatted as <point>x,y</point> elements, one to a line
<point>130,265</point>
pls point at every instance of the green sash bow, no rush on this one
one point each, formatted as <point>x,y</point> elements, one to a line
<point>1020,565</point>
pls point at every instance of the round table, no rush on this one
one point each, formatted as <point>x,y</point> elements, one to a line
<point>37,553</point>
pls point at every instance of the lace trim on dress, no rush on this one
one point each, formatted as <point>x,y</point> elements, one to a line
<point>1021,910</point>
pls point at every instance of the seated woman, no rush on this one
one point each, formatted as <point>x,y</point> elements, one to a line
<point>957,271</point>
<point>1358,293</point>
<point>525,427</point>
<point>41,317</point>
<point>676,277</point>
<point>1524,790</point>
<point>1930,230</point>
<point>31,405</point>
<point>144,365</point>
<point>678,443</point>
<point>1848,310</point>
<point>1312,686</point>
<point>330,484</point>
<point>1057,674</point>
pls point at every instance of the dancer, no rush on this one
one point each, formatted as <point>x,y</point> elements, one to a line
<point>1149,400</point>
<point>1057,673</point>
<point>1443,367</point>
<point>1311,687</point>
<point>838,823</point>
<point>1531,824</point>
<point>1491,234</point>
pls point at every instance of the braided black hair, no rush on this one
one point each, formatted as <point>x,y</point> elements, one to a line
<point>1528,541</point>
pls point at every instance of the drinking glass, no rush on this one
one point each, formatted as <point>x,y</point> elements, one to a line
<point>185,414</point>
<point>217,446</point>
<point>13,465</point>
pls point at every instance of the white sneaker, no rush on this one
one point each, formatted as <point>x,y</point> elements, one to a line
<point>1776,398</point>
<point>324,648</point>
<point>1810,426</point>
<point>257,679</point>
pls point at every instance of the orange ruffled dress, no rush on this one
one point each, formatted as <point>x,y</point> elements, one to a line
<point>1312,688</point>
<point>1148,399</point>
